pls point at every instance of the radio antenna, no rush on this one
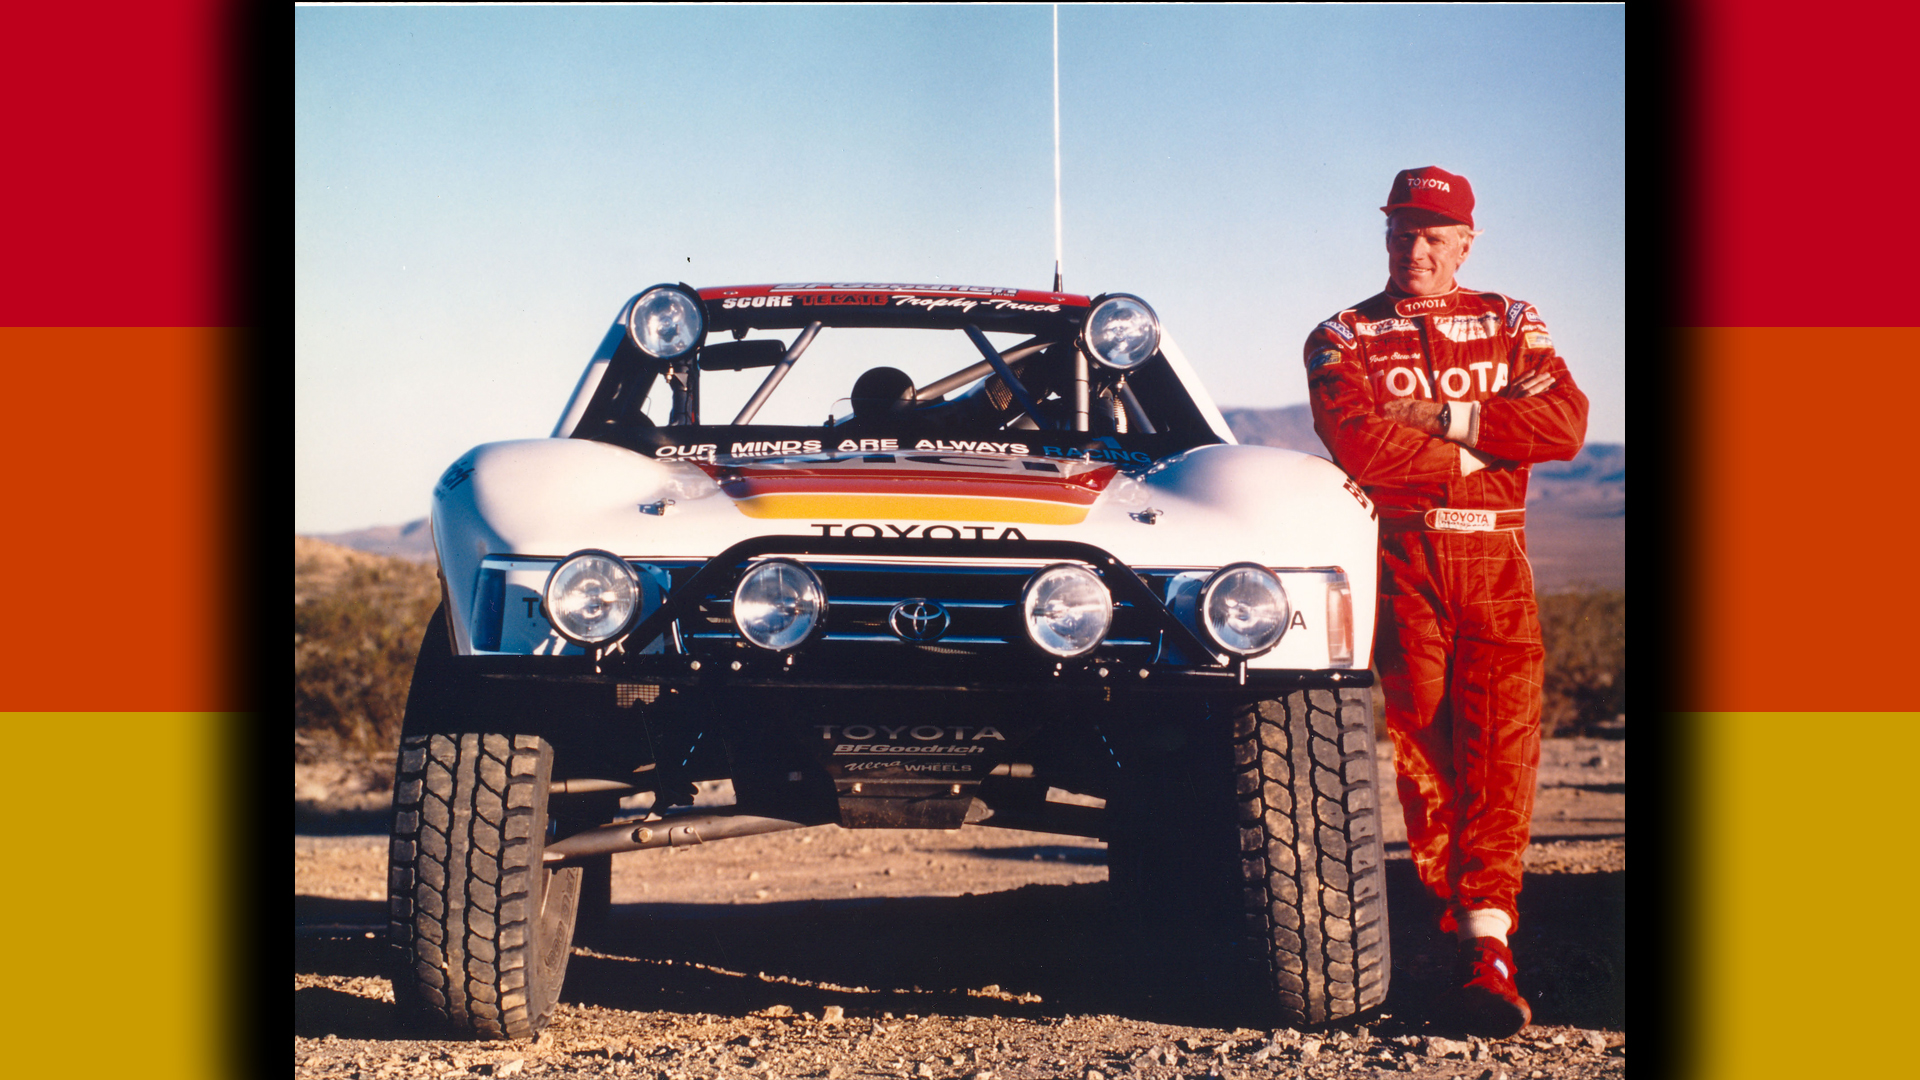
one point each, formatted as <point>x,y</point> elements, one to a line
<point>1056,148</point>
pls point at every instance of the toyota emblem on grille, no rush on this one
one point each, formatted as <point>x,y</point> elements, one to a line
<point>918,620</point>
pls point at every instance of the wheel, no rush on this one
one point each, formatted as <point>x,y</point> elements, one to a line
<point>1315,900</point>
<point>1245,861</point>
<point>482,928</point>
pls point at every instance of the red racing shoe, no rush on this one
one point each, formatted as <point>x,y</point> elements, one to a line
<point>1488,1004</point>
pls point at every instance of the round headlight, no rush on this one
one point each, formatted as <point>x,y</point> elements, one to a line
<point>778,603</point>
<point>1067,609</point>
<point>1245,609</point>
<point>667,321</point>
<point>1122,332</point>
<point>592,597</point>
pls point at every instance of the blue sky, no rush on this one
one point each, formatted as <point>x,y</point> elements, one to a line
<point>478,190</point>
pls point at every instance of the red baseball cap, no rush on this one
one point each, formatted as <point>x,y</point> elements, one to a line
<point>1432,189</point>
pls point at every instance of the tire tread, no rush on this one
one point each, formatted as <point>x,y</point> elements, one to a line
<point>462,881</point>
<point>1322,914</point>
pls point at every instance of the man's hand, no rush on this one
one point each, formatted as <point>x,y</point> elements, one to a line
<point>1419,415</point>
<point>1534,383</point>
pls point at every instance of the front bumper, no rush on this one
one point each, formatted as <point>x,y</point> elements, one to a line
<point>686,637</point>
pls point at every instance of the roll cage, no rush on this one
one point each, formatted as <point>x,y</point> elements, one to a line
<point>1043,386</point>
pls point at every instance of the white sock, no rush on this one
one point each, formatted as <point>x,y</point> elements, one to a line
<point>1485,922</point>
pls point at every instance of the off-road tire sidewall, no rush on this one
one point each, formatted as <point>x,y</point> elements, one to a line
<point>1245,865</point>
<point>1311,863</point>
<point>481,929</point>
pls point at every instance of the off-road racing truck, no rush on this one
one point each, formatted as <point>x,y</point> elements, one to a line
<point>1019,555</point>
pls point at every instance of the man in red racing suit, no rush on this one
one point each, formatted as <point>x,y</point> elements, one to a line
<point>1437,399</point>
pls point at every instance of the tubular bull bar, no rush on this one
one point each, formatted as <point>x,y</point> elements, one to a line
<point>721,573</point>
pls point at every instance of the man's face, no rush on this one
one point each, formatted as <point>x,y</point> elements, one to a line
<point>1423,252</point>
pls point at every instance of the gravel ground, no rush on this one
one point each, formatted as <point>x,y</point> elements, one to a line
<point>976,953</point>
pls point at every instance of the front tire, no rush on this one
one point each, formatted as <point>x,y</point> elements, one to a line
<point>481,927</point>
<point>1315,902</point>
<point>1246,863</point>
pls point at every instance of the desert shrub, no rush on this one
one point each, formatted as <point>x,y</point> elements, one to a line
<point>1586,637</point>
<point>357,624</point>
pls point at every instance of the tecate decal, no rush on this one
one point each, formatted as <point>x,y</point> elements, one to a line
<point>844,299</point>
<point>919,532</point>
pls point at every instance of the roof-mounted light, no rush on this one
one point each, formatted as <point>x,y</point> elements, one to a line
<point>667,321</point>
<point>1121,332</point>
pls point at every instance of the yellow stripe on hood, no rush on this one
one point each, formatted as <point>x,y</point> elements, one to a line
<point>916,507</point>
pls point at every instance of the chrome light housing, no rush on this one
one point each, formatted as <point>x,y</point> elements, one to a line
<point>1244,609</point>
<point>1122,332</point>
<point>667,321</point>
<point>592,597</point>
<point>1066,609</point>
<point>778,604</point>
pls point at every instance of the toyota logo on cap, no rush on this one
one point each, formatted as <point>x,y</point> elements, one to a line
<point>918,620</point>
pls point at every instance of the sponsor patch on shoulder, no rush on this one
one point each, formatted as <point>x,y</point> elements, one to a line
<point>1539,339</point>
<point>1336,327</point>
<point>1515,312</point>
<point>1322,359</point>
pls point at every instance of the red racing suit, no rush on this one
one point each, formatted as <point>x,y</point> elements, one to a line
<point>1458,650</point>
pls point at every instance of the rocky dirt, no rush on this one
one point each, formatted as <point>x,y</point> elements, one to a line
<point>978,953</point>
